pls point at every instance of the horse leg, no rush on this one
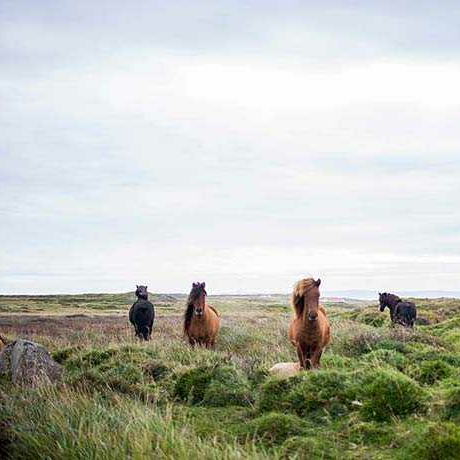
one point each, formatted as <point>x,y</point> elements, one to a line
<point>304,356</point>
<point>316,356</point>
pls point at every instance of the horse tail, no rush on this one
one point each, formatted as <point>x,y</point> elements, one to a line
<point>188,317</point>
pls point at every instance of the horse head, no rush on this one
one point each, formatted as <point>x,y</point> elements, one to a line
<point>141,292</point>
<point>383,301</point>
<point>198,298</point>
<point>306,298</point>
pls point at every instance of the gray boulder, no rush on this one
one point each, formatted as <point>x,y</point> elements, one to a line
<point>28,364</point>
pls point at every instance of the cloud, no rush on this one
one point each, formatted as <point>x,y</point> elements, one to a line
<point>244,149</point>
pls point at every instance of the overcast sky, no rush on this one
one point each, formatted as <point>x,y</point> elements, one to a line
<point>246,144</point>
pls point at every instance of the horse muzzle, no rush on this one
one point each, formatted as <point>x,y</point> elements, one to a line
<point>312,318</point>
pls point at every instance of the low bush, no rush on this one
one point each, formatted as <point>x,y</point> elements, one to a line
<point>213,386</point>
<point>381,357</point>
<point>439,441</point>
<point>273,428</point>
<point>452,404</point>
<point>274,392</point>
<point>429,372</point>
<point>385,393</point>
<point>371,433</point>
<point>329,390</point>
<point>310,448</point>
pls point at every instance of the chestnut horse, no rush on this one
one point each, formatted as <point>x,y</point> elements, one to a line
<point>201,321</point>
<point>309,331</point>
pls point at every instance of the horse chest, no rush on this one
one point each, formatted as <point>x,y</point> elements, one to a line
<point>199,329</point>
<point>308,334</point>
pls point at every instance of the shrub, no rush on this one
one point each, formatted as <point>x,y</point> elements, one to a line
<point>273,428</point>
<point>214,386</point>
<point>91,358</point>
<point>452,404</point>
<point>360,343</point>
<point>439,441</point>
<point>386,392</point>
<point>372,318</point>
<point>155,370</point>
<point>429,372</point>
<point>309,448</point>
<point>192,384</point>
<point>324,389</point>
<point>371,433</point>
<point>383,356</point>
<point>63,354</point>
<point>337,362</point>
<point>273,394</point>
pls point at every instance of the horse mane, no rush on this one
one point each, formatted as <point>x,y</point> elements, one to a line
<point>389,297</point>
<point>300,289</point>
<point>214,310</point>
<point>196,291</point>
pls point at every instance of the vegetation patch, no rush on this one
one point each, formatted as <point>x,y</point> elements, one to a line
<point>439,441</point>
<point>328,390</point>
<point>429,372</point>
<point>386,392</point>
<point>452,404</point>
<point>310,448</point>
<point>273,428</point>
<point>213,386</point>
<point>273,395</point>
<point>382,357</point>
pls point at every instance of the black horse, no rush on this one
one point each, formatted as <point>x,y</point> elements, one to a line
<point>401,311</point>
<point>142,314</point>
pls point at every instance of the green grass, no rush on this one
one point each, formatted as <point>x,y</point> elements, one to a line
<point>382,392</point>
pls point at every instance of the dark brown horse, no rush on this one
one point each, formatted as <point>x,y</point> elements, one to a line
<point>201,321</point>
<point>401,312</point>
<point>142,314</point>
<point>309,331</point>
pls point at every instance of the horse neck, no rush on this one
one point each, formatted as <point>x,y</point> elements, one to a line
<point>393,300</point>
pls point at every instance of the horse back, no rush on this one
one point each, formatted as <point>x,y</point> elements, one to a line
<point>142,311</point>
<point>406,313</point>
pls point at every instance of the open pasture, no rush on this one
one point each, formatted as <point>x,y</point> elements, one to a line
<point>383,392</point>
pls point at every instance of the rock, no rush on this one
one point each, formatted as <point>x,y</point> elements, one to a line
<point>5,355</point>
<point>285,369</point>
<point>28,364</point>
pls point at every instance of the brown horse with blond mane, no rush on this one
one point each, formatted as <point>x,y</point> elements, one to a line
<point>201,321</point>
<point>309,331</point>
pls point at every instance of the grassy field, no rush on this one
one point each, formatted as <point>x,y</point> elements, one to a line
<point>383,392</point>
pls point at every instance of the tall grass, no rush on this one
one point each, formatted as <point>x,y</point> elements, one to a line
<point>383,392</point>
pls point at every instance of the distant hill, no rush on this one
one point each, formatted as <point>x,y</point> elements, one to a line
<point>373,295</point>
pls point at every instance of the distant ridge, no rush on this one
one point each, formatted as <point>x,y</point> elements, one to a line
<point>370,295</point>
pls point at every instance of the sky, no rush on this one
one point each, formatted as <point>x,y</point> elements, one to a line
<point>246,144</point>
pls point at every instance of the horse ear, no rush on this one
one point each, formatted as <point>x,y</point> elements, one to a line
<point>318,282</point>
<point>137,286</point>
<point>146,287</point>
